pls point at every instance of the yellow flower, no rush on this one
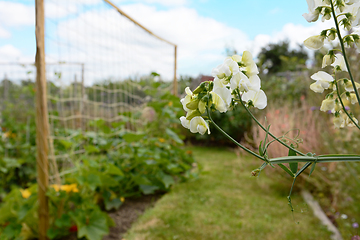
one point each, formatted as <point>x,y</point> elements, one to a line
<point>70,188</point>
<point>170,104</point>
<point>122,199</point>
<point>162,140</point>
<point>67,187</point>
<point>25,193</point>
<point>56,187</point>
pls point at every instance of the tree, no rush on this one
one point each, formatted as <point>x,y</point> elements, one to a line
<point>277,57</point>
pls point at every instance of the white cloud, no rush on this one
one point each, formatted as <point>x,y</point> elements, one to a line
<point>16,14</point>
<point>9,53</point>
<point>201,40</point>
<point>4,33</point>
<point>166,2</point>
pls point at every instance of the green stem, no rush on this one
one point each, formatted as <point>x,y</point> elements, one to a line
<point>343,51</point>
<point>233,140</point>
<point>320,158</point>
<point>263,128</point>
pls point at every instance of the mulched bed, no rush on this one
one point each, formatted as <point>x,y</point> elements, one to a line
<point>128,213</point>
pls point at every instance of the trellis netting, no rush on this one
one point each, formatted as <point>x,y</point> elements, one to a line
<point>95,57</point>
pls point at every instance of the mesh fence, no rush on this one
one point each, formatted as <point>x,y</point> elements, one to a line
<point>95,58</point>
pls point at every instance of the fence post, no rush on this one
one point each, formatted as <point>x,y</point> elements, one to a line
<point>42,124</point>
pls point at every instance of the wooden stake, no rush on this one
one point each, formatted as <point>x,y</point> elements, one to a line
<point>42,124</point>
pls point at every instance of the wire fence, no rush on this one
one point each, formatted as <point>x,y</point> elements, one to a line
<point>94,56</point>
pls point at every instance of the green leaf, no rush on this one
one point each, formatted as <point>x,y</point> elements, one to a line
<point>114,170</point>
<point>148,189</point>
<point>173,135</point>
<point>91,149</point>
<point>66,144</point>
<point>312,168</point>
<point>64,221</point>
<point>12,230</point>
<point>167,180</point>
<point>95,226</point>
<point>286,169</point>
<point>112,204</point>
<point>293,166</point>
<point>261,152</point>
<point>93,181</point>
<point>133,137</point>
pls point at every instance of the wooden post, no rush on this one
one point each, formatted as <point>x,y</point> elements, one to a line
<point>175,83</point>
<point>42,124</point>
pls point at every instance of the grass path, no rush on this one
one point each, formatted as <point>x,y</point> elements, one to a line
<point>226,203</point>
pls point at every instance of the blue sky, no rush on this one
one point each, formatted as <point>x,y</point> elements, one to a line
<point>201,28</point>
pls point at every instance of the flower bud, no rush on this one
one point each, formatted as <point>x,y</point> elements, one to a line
<point>327,60</point>
<point>193,104</point>
<point>191,114</point>
<point>200,88</point>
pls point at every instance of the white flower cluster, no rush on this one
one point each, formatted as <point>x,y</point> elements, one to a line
<point>348,15</point>
<point>237,74</point>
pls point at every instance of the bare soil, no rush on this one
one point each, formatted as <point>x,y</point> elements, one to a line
<point>128,213</point>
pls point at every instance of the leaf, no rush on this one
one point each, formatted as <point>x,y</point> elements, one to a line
<point>286,169</point>
<point>93,181</point>
<point>312,168</point>
<point>114,170</point>
<point>91,149</point>
<point>167,180</point>
<point>293,166</point>
<point>63,221</point>
<point>66,144</point>
<point>95,226</point>
<point>173,135</point>
<point>133,137</point>
<point>113,204</point>
<point>12,230</point>
<point>148,189</point>
<point>261,152</point>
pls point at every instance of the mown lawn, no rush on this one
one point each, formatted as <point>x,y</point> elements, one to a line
<point>227,203</point>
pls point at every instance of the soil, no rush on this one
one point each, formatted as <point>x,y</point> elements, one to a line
<point>128,213</point>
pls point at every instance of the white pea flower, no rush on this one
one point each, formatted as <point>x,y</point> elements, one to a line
<point>349,86</point>
<point>340,61</point>
<point>226,69</point>
<point>258,98</point>
<point>314,42</point>
<point>349,2</point>
<point>255,83</point>
<point>221,71</point>
<point>199,125</point>
<point>348,121</point>
<point>241,81</point>
<point>187,98</point>
<point>323,80</point>
<point>224,94</point>
<point>250,66</point>
<point>339,122</point>
<point>344,121</point>
<point>185,122</point>
<point>221,102</point>
<point>313,14</point>
<point>327,104</point>
<point>352,98</point>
